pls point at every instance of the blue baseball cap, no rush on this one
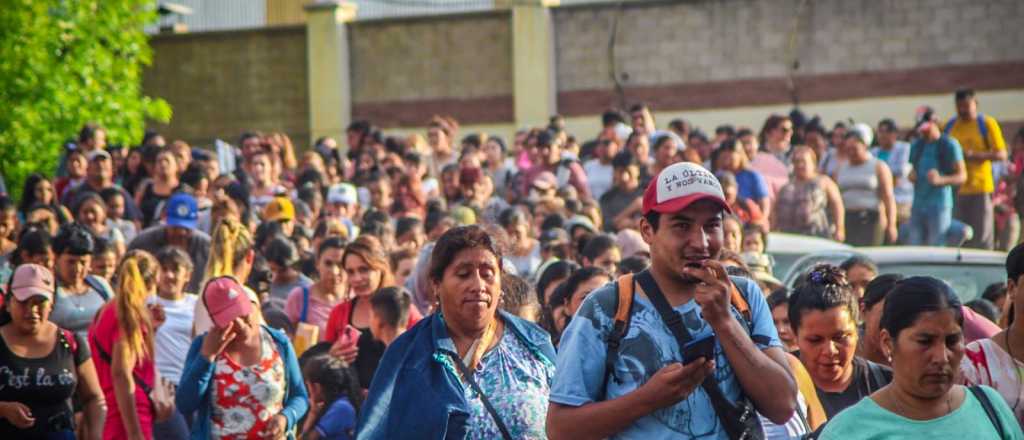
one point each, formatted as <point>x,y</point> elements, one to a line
<point>182,211</point>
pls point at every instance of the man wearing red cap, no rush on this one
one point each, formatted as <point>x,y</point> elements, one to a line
<point>653,388</point>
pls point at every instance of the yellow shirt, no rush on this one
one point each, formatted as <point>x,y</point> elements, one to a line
<point>979,172</point>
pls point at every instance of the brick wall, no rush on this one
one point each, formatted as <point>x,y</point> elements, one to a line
<point>220,84</point>
<point>403,69</point>
<point>667,45</point>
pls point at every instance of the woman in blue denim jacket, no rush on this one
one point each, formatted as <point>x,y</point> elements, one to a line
<point>421,388</point>
<point>242,377</point>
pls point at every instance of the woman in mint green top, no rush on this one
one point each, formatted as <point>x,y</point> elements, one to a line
<point>921,333</point>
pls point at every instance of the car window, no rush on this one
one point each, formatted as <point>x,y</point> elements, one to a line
<point>967,280</point>
<point>783,262</point>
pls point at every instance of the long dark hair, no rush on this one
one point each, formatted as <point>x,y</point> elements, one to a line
<point>337,380</point>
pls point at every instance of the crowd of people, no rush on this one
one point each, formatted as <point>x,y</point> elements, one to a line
<point>460,286</point>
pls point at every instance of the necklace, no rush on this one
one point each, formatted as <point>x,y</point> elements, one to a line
<point>1013,363</point>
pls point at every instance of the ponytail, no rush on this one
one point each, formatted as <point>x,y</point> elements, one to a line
<point>231,242</point>
<point>135,280</point>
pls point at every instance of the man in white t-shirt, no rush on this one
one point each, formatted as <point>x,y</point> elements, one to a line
<point>599,170</point>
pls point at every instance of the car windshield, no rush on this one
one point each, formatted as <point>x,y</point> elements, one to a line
<point>967,280</point>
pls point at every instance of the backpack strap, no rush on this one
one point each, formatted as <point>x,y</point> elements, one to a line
<point>740,303</point>
<point>69,340</point>
<point>305,304</point>
<point>875,371</point>
<point>623,308</point>
<point>100,286</point>
<point>990,410</point>
<point>983,130</point>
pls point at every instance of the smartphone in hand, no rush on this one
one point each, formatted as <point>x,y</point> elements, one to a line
<point>700,348</point>
<point>350,336</point>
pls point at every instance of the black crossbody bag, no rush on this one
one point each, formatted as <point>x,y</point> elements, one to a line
<point>468,376</point>
<point>739,418</point>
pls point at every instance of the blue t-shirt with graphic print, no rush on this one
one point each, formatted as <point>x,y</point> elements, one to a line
<point>647,347</point>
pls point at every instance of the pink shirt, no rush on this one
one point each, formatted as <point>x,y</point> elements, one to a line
<point>976,326</point>
<point>317,314</point>
<point>775,173</point>
<point>102,335</point>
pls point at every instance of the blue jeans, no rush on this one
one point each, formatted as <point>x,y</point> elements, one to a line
<point>928,225</point>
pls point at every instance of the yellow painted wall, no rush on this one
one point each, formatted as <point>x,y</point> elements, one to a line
<point>285,12</point>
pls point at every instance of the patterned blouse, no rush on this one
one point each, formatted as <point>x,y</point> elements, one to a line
<point>517,383</point>
<point>246,398</point>
<point>986,363</point>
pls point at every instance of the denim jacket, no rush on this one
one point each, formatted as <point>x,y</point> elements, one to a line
<point>415,392</point>
<point>195,391</point>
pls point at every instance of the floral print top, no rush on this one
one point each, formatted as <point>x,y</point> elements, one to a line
<point>246,398</point>
<point>517,382</point>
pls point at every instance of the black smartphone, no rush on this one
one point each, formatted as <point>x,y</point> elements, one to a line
<point>701,348</point>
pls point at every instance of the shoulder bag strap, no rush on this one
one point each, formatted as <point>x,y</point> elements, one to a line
<point>305,304</point>
<point>672,319</point>
<point>468,377</point>
<point>733,418</point>
<point>990,411</point>
<point>875,371</point>
<point>146,388</point>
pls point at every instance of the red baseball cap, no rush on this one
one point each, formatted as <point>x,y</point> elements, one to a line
<point>681,184</point>
<point>226,300</point>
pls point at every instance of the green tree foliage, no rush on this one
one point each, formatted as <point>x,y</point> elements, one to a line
<point>64,63</point>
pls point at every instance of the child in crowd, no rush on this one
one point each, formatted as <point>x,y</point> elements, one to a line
<point>755,238</point>
<point>104,259</point>
<point>115,202</point>
<point>389,313</point>
<point>335,397</point>
<point>518,298</point>
<point>174,337</point>
<point>8,234</point>
<point>402,263</point>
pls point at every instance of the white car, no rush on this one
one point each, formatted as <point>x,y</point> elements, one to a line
<point>968,271</point>
<point>786,249</point>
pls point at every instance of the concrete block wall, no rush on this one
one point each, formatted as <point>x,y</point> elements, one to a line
<point>711,61</point>
<point>716,40</point>
<point>220,84</point>
<point>443,63</point>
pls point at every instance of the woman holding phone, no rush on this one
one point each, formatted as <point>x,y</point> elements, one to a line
<point>368,269</point>
<point>242,376</point>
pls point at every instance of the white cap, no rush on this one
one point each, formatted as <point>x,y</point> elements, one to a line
<point>342,193</point>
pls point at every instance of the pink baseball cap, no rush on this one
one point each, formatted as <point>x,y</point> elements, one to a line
<point>681,184</point>
<point>225,300</point>
<point>32,280</point>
